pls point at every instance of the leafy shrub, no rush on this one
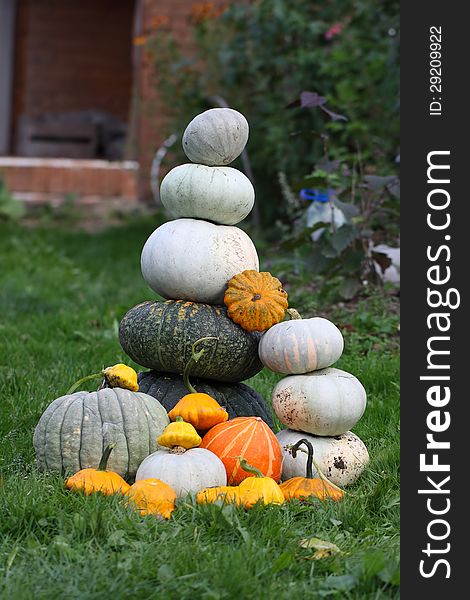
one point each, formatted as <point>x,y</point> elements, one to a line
<point>10,209</point>
<point>258,56</point>
<point>343,255</point>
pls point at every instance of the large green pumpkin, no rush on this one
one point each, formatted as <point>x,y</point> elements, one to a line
<point>74,430</point>
<point>238,399</point>
<point>160,335</point>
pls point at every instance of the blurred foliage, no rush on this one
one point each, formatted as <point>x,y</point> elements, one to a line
<point>10,208</point>
<point>343,256</point>
<point>319,84</point>
<point>259,57</point>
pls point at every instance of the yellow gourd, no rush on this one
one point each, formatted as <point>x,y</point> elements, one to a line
<point>201,410</point>
<point>258,488</point>
<point>179,435</point>
<point>122,376</point>
<point>119,375</point>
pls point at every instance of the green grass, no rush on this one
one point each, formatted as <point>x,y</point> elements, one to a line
<point>61,296</point>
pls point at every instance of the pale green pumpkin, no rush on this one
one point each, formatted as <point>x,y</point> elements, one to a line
<point>74,429</point>
<point>219,194</point>
<point>216,137</point>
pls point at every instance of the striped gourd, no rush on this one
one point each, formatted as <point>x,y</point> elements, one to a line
<point>247,437</point>
<point>74,429</point>
<point>301,345</point>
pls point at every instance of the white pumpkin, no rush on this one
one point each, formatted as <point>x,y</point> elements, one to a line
<point>189,259</point>
<point>216,137</point>
<point>326,402</point>
<point>191,471</point>
<point>341,459</point>
<point>220,194</point>
<point>301,345</point>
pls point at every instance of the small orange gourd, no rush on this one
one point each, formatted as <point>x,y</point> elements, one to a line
<point>258,488</point>
<point>225,493</point>
<point>305,487</point>
<point>152,497</point>
<point>201,410</point>
<point>90,481</point>
<point>255,301</point>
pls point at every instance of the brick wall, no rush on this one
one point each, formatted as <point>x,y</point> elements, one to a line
<point>152,114</point>
<point>73,55</point>
<point>76,55</point>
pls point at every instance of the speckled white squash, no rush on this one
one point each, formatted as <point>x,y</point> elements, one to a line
<point>220,194</point>
<point>301,346</point>
<point>190,259</point>
<point>191,471</point>
<point>325,402</point>
<point>74,429</point>
<point>216,137</point>
<point>341,458</point>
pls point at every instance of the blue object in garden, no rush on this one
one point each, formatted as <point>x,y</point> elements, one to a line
<point>321,209</point>
<point>311,195</point>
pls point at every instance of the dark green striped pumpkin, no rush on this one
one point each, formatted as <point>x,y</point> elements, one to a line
<point>238,399</point>
<point>159,335</point>
<point>74,430</point>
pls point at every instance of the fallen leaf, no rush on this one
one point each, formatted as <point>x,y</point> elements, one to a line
<point>323,548</point>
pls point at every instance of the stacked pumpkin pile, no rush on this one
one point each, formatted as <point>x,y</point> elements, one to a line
<point>315,401</point>
<point>189,425</point>
<point>189,261</point>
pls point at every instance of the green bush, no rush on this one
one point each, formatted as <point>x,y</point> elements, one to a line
<point>10,209</point>
<point>260,56</point>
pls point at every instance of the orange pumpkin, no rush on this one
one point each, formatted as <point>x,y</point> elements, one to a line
<point>152,497</point>
<point>91,480</point>
<point>304,487</point>
<point>255,301</point>
<point>197,408</point>
<point>225,493</point>
<point>249,437</point>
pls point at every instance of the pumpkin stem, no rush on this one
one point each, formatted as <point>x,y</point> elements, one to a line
<point>310,462</point>
<point>309,446</point>
<point>293,314</point>
<point>104,459</point>
<point>325,479</point>
<point>177,450</point>
<point>195,356</point>
<point>249,468</point>
<point>82,380</point>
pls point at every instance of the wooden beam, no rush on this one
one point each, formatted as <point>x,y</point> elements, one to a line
<point>7,50</point>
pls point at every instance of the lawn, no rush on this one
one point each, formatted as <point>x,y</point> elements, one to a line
<point>62,294</point>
